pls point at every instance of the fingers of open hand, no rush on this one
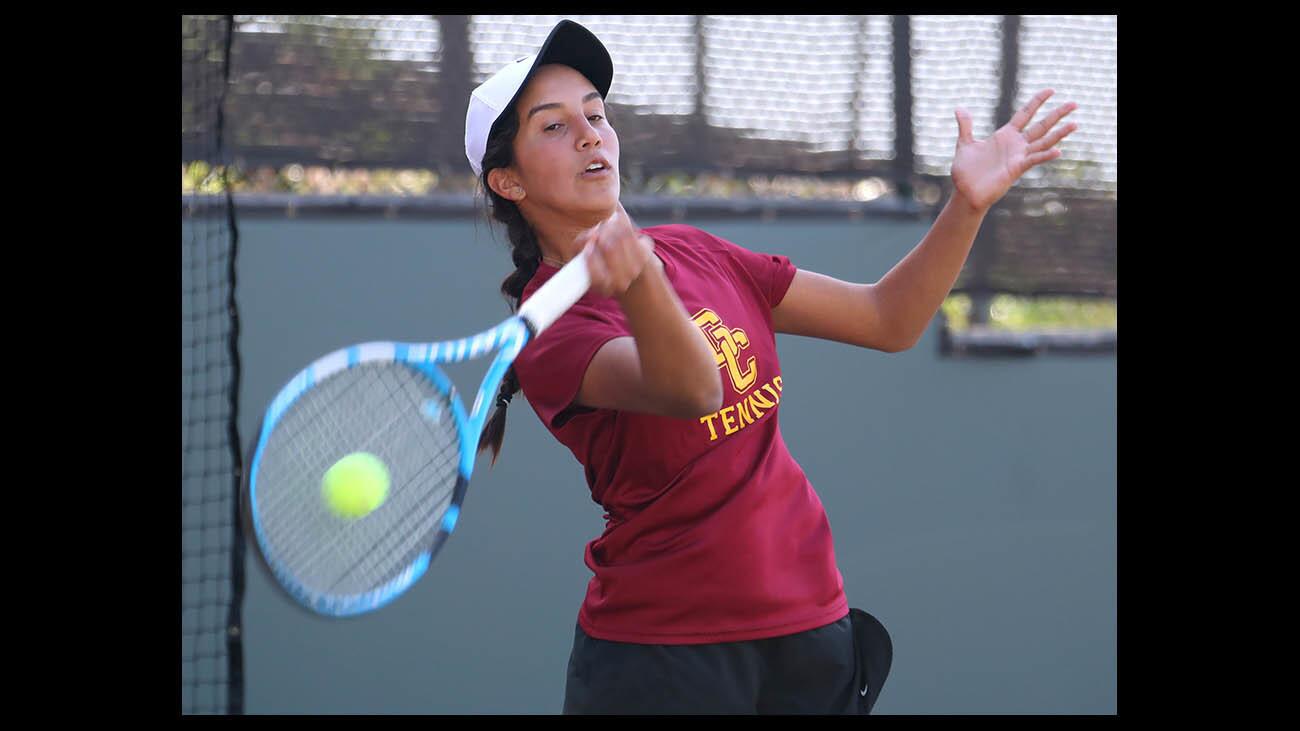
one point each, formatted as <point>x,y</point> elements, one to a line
<point>964,133</point>
<point>1049,141</point>
<point>1038,158</point>
<point>1047,123</point>
<point>1022,117</point>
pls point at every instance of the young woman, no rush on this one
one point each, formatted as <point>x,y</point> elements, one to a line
<point>715,586</point>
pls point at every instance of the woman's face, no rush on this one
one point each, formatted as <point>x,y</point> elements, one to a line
<point>562,132</point>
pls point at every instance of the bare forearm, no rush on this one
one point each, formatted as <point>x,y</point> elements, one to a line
<point>675,361</point>
<point>911,293</point>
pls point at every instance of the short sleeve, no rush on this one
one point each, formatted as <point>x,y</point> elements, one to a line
<point>771,273</point>
<point>551,368</point>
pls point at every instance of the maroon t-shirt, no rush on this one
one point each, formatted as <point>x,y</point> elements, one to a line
<point>713,533</point>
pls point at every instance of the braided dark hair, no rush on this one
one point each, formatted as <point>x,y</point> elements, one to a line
<point>524,252</point>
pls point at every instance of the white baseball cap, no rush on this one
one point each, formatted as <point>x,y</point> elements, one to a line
<point>569,44</point>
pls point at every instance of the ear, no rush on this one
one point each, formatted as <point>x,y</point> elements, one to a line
<point>505,184</point>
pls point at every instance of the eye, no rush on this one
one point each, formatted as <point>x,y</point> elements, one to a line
<point>553,126</point>
<point>595,117</point>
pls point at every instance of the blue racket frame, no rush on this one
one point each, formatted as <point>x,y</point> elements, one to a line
<point>510,337</point>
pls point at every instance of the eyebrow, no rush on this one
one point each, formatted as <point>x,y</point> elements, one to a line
<point>555,105</point>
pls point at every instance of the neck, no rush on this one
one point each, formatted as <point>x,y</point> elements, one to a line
<point>561,240</point>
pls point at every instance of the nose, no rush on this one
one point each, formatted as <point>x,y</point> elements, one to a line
<point>588,136</point>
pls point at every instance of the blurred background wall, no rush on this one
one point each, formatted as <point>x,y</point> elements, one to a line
<point>973,502</point>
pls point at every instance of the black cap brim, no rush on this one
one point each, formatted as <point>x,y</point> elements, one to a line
<point>572,45</point>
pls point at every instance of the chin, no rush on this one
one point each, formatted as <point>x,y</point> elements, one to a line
<point>603,203</point>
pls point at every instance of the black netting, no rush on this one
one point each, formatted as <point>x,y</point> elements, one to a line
<point>842,96</point>
<point>211,543</point>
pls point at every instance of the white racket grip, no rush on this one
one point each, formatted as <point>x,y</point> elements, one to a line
<point>557,295</point>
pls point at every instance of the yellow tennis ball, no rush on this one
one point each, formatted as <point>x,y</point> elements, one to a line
<point>355,485</point>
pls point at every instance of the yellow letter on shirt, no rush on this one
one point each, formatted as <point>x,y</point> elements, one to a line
<point>713,433</point>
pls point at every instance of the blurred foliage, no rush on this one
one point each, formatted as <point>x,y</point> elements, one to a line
<point>321,180</point>
<point>199,177</point>
<point>1006,312</point>
<point>956,311</point>
<point>1019,314</point>
<point>809,187</point>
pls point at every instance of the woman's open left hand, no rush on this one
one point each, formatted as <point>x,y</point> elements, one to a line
<point>984,170</point>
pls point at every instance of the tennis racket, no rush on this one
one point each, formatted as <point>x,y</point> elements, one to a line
<point>392,401</point>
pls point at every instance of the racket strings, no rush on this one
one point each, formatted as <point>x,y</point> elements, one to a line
<point>389,410</point>
<point>383,433</point>
<point>352,551</point>
<point>411,523</point>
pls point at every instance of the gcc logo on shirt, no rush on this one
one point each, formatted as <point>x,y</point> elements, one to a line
<point>727,344</point>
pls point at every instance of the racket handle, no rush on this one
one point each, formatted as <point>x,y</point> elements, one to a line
<point>557,295</point>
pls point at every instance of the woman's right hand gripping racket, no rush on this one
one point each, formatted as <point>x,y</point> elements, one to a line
<point>363,459</point>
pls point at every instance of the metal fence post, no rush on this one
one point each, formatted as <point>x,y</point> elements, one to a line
<point>903,139</point>
<point>454,86</point>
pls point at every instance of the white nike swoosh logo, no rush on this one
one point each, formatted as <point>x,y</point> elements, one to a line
<point>864,692</point>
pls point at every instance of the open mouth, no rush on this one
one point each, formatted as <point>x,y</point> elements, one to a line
<point>596,170</point>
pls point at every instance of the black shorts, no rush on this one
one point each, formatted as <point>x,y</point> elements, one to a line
<point>820,671</point>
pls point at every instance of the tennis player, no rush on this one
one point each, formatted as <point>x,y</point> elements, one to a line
<point>715,586</point>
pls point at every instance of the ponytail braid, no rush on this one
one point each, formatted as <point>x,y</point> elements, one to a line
<point>524,252</point>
